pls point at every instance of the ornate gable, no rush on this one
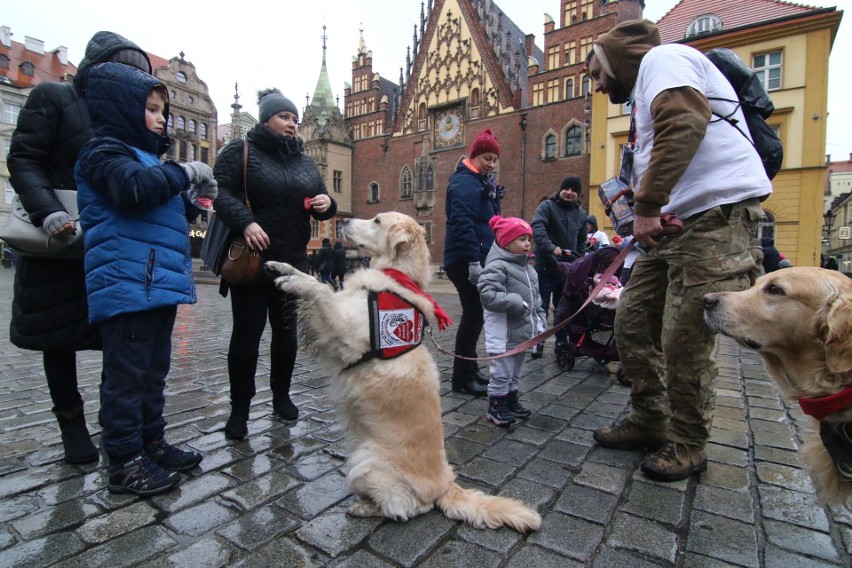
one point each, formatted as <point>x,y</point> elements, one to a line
<point>466,66</point>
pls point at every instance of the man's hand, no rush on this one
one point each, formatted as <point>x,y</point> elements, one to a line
<point>645,229</point>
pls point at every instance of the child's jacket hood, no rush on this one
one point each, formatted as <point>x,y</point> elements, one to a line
<point>621,49</point>
<point>116,95</point>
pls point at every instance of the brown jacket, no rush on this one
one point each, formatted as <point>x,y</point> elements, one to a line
<point>680,115</point>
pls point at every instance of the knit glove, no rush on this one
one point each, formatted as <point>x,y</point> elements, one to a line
<point>55,221</point>
<point>474,270</point>
<point>198,173</point>
<point>202,195</point>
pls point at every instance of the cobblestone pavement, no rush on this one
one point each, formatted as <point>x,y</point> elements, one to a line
<point>278,497</point>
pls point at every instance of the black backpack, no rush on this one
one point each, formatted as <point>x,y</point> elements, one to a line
<point>756,106</point>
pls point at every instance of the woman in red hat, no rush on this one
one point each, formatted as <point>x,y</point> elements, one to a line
<point>473,199</point>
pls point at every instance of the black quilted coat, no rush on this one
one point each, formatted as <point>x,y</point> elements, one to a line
<point>49,311</point>
<point>280,177</point>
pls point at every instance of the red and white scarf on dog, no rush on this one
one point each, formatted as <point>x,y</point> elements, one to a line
<point>396,325</point>
<point>821,407</point>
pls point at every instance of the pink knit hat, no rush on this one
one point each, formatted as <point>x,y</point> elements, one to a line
<point>484,142</point>
<point>507,229</point>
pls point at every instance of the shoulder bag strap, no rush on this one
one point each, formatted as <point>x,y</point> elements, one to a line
<point>245,172</point>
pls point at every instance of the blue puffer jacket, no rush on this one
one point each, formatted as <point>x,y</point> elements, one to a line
<point>132,206</point>
<point>472,200</point>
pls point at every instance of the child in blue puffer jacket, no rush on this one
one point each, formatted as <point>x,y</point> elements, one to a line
<point>133,210</point>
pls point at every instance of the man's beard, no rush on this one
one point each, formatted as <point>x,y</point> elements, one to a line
<point>618,95</point>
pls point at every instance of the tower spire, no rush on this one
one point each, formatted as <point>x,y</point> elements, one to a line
<point>236,130</point>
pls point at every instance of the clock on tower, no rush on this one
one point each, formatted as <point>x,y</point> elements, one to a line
<point>449,127</point>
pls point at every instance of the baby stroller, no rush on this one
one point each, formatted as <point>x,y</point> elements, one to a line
<point>590,333</point>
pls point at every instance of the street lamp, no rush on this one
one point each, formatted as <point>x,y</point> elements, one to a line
<point>827,222</point>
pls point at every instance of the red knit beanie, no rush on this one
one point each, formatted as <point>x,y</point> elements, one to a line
<point>484,142</point>
<point>507,229</point>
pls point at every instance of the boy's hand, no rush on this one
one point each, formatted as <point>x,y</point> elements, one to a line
<point>198,173</point>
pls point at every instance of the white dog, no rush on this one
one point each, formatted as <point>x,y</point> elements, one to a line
<point>800,321</point>
<point>390,407</point>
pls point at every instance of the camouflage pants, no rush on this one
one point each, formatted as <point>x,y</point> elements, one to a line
<point>664,345</point>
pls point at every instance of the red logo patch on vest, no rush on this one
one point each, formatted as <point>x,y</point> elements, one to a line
<point>396,326</point>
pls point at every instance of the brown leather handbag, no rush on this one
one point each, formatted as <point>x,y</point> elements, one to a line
<point>241,264</point>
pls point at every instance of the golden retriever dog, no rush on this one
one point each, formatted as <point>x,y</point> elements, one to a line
<point>800,321</point>
<point>390,408</point>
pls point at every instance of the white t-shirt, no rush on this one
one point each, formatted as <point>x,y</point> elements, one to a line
<point>600,237</point>
<point>726,167</point>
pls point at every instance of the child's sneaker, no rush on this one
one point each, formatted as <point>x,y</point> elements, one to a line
<point>140,476</point>
<point>515,406</point>
<point>498,413</point>
<point>171,458</point>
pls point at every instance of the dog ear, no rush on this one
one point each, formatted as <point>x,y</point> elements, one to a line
<point>838,339</point>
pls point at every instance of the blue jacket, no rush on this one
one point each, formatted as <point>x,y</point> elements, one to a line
<point>132,207</point>
<point>472,199</point>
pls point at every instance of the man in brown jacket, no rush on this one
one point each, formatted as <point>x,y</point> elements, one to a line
<point>705,172</point>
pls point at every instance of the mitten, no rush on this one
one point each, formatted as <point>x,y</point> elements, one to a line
<point>202,195</point>
<point>55,221</point>
<point>198,172</point>
<point>474,270</point>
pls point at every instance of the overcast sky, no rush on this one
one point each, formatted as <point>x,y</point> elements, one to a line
<point>259,43</point>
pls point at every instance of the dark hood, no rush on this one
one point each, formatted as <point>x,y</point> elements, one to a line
<point>116,95</point>
<point>621,49</point>
<point>100,49</point>
<point>593,221</point>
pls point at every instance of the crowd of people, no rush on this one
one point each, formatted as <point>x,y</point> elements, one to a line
<point>122,298</point>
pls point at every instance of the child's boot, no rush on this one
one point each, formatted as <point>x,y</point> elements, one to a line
<point>169,457</point>
<point>515,406</point>
<point>498,413</point>
<point>140,476</point>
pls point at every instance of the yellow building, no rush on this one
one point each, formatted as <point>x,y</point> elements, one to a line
<point>788,45</point>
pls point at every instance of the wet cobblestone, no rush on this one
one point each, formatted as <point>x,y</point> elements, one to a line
<point>278,498</point>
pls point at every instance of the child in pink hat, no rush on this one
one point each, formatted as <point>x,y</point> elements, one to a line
<point>508,287</point>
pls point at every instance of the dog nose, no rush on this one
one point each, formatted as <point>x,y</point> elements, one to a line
<point>710,301</point>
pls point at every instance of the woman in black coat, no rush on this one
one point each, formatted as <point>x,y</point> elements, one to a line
<point>285,190</point>
<point>49,310</point>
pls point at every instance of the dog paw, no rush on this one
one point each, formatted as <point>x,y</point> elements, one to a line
<point>276,269</point>
<point>363,508</point>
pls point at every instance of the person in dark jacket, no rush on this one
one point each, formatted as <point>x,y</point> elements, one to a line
<point>473,199</point>
<point>771,256</point>
<point>49,310</point>
<point>135,212</point>
<point>559,234</point>
<point>326,263</point>
<point>339,271</point>
<point>285,190</point>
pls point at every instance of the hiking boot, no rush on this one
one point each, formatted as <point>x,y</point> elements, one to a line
<point>498,413</point>
<point>627,435</point>
<point>675,462</point>
<point>515,406</point>
<point>140,476</point>
<point>171,458</point>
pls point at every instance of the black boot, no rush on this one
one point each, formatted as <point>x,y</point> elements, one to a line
<point>237,426</point>
<point>284,407</point>
<point>498,413</point>
<point>515,406</point>
<point>465,378</point>
<point>480,378</point>
<point>75,436</point>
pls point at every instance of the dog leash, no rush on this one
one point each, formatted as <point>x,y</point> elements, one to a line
<point>671,226</point>
<point>610,271</point>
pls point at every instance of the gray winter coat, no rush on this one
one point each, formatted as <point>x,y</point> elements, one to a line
<point>506,284</point>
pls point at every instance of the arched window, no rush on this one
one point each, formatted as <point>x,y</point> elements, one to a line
<point>406,183</point>
<point>373,194</point>
<point>27,68</point>
<point>4,61</point>
<point>550,147</point>
<point>421,110</point>
<point>569,89</point>
<point>430,178</point>
<point>585,86</point>
<point>704,24</point>
<point>574,141</point>
<point>474,97</point>
<point>180,123</point>
<point>192,126</point>
<point>203,131</point>
<point>171,123</point>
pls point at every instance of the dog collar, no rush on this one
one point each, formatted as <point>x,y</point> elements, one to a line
<point>824,406</point>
